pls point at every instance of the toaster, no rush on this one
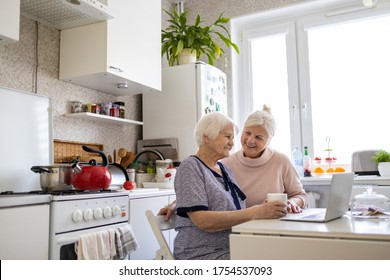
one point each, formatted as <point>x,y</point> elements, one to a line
<point>362,163</point>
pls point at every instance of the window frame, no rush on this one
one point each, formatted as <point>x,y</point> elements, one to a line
<point>300,17</point>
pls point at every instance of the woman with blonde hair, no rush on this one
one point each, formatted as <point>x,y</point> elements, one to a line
<point>259,169</point>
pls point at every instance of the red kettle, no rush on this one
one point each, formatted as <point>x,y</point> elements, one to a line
<point>92,176</point>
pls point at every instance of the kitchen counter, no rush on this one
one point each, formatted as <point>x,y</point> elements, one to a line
<point>319,187</point>
<point>343,238</point>
<point>13,200</point>
<point>358,180</point>
<point>144,192</point>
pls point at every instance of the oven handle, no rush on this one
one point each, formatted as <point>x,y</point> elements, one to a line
<point>63,239</point>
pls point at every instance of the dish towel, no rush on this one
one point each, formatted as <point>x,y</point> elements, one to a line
<point>125,241</point>
<point>94,246</point>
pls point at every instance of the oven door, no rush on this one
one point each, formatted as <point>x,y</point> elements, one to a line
<point>62,245</point>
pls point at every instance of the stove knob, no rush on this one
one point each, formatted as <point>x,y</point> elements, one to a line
<point>98,213</point>
<point>77,216</point>
<point>116,211</point>
<point>88,215</point>
<point>107,212</point>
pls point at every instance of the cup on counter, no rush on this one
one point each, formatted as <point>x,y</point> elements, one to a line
<point>277,197</point>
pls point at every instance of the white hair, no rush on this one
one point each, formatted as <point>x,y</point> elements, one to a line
<point>263,117</point>
<point>210,125</point>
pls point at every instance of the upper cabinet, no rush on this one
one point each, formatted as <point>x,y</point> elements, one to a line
<point>120,56</point>
<point>9,21</point>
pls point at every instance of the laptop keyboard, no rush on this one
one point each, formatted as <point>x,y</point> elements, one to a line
<point>314,216</point>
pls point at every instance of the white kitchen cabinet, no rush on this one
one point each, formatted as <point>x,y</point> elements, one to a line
<point>25,232</point>
<point>122,52</point>
<point>9,21</point>
<point>143,233</point>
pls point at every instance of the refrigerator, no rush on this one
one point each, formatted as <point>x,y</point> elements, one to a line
<point>188,92</point>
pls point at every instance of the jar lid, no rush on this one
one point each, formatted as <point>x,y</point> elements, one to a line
<point>120,103</point>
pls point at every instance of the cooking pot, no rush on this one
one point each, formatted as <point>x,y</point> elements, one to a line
<point>91,176</point>
<point>55,177</point>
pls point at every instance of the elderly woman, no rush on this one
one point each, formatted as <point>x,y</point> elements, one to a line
<point>208,200</point>
<point>260,169</point>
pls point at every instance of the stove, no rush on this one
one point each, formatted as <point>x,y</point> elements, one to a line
<point>77,212</point>
<point>74,213</point>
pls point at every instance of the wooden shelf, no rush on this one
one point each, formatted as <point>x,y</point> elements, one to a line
<point>102,118</point>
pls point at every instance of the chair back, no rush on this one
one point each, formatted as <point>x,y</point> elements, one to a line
<point>158,225</point>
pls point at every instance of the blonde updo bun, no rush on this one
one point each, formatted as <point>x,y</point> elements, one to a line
<point>263,117</point>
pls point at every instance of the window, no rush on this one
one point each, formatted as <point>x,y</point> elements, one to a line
<point>324,74</point>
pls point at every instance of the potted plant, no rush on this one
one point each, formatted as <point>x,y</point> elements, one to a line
<point>382,158</point>
<point>195,39</point>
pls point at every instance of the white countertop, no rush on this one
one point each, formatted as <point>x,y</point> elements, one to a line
<point>13,200</point>
<point>145,192</point>
<point>345,227</point>
<point>325,180</point>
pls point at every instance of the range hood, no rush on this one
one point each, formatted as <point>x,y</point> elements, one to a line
<point>64,14</point>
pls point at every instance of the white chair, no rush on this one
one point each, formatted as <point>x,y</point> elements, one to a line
<point>158,225</point>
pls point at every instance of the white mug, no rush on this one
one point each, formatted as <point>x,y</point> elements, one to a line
<point>277,197</point>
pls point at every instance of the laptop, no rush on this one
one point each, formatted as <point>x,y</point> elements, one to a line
<point>338,202</point>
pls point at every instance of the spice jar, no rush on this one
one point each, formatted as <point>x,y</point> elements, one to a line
<point>121,106</point>
<point>114,110</point>
<point>88,108</point>
<point>105,108</point>
<point>77,106</point>
<point>95,109</point>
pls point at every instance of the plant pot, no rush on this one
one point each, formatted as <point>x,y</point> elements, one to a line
<point>187,56</point>
<point>384,169</point>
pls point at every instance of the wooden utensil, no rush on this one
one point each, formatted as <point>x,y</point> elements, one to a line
<point>129,158</point>
<point>114,155</point>
<point>121,154</point>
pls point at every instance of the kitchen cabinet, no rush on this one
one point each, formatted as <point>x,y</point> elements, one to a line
<point>9,21</point>
<point>143,233</point>
<point>24,233</point>
<point>121,56</point>
<point>102,118</point>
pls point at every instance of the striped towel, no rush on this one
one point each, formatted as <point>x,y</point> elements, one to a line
<point>125,241</point>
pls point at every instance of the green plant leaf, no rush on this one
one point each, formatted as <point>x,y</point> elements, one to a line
<point>201,39</point>
<point>381,156</point>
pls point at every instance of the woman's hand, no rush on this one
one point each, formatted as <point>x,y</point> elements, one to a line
<point>293,207</point>
<point>271,210</point>
<point>168,210</point>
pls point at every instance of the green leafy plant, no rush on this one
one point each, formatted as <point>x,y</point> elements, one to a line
<point>381,156</point>
<point>179,35</point>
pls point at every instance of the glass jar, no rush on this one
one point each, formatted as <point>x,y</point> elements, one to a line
<point>369,203</point>
<point>88,107</point>
<point>95,109</point>
<point>105,108</point>
<point>114,110</point>
<point>121,107</point>
<point>76,106</point>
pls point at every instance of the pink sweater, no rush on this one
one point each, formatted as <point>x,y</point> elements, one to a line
<point>273,172</point>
